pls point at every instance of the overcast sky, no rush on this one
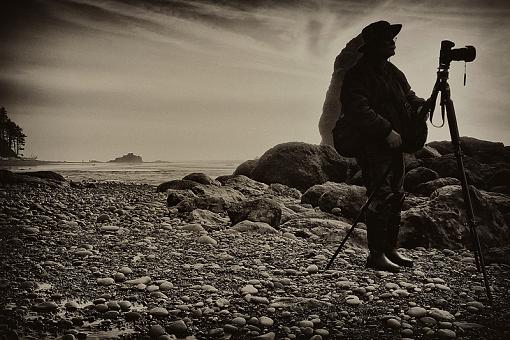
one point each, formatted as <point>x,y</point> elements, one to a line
<point>191,80</point>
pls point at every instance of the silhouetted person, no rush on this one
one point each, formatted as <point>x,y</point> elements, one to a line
<point>374,97</point>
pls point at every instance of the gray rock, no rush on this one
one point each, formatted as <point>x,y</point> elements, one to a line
<point>301,165</point>
<point>177,327</point>
<point>201,178</point>
<point>158,311</point>
<point>257,210</point>
<point>258,227</point>
<point>417,176</point>
<point>45,307</point>
<point>105,281</point>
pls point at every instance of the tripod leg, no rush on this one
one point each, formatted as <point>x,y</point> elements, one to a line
<point>454,132</point>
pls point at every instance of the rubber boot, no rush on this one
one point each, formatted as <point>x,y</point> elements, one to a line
<point>391,245</point>
<point>376,244</point>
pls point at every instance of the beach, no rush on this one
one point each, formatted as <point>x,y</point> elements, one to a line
<point>111,260</point>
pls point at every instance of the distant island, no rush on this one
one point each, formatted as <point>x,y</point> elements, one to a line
<point>129,158</point>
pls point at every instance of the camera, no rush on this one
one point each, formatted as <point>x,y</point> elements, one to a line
<point>449,54</point>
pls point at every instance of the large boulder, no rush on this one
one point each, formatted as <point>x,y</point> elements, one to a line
<point>349,198</point>
<point>418,176</point>
<point>188,195</point>
<point>441,221</point>
<point>201,178</point>
<point>257,210</point>
<point>246,167</point>
<point>246,185</point>
<point>50,175</point>
<point>327,196</point>
<point>481,150</point>
<point>177,184</point>
<point>446,166</point>
<point>301,165</point>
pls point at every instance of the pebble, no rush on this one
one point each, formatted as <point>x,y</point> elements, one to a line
<point>305,323</point>
<point>238,321</point>
<point>428,321</point>
<point>393,323</point>
<point>249,289</point>
<point>125,305</point>
<point>71,305</point>
<point>101,307</point>
<point>417,312</point>
<point>446,334</point>
<point>353,300</point>
<point>132,316</point>
<point>441,315</point>
<point>158,311</point>
<point>166,285</point>
<point>125,270</point>
<point>45,307</point>
<point>312,269</point>
<point>207,240</point>
<point>209,288</point>
<point>156,330</point>
<point>266,336</point>
<point>113,305</point>
<point>265,321</point>
<point>105,281</point>
<point>110,228</point>
<point>141,280</point>
<point>119,277</point>
<point>177,327</point>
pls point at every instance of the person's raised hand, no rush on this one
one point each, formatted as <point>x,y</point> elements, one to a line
<point>394,140</point>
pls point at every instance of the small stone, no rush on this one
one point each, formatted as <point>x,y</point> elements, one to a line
<point>207,240</point>
<point>119,277</point>
<point>113,305</point>
<point>111,314</point>
<point>265,321</point>
<point>101,307</point>
<point>110,228</point>
<point>158,311</point>
<point>105,281</point>
<point>305,323</point>
<point>102,218</point>
<point>266,336</point>
<point>417,312</point>
<point>166,285</point>
<point>132,316</point>
<point>141,280</point>
<point>209,288</point>
<point>125,270</point>
<point>249,289</point>
<point>446,334</point>
<point>71,306</point>
<point>238,321</point>
<point>125,305</point>
<point>428,321</point>
<point>45,307</point>
<point>393,323</point>
<point>441,315</point>
<point>156,330</point>
<point>177,327</point>
<point>312,269</point>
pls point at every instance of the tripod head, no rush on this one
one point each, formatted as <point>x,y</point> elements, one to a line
<point>447,54</point>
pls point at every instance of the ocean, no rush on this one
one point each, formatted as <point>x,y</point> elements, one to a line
<point>142,173</point>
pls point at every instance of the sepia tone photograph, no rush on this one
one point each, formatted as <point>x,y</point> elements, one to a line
<point>254,169</point>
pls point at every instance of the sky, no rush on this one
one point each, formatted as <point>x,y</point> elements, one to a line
<point>224,80</point>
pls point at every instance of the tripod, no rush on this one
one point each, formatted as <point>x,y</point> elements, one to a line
<point>446,104</point>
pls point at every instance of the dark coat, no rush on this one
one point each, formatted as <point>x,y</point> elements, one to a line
<point>376,99</point>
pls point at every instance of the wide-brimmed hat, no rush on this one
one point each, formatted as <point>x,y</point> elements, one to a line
<point>377,31</point>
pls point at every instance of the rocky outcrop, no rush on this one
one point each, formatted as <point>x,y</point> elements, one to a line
<point>441,222</point>
<point>129,158</point>
<point>49,178</point>
<point>417,176</point>
<point>301,165</point>
<point>246,167</point>
<point>201,178</point>
<point>257,210</point>
<point>328,196</point>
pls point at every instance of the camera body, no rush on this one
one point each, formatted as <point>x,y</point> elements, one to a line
<point>449,54</point>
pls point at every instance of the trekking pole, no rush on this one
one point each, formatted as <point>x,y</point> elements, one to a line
<point>358,218</point>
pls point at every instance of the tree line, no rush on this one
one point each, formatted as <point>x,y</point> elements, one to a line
<point>11,134</point>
